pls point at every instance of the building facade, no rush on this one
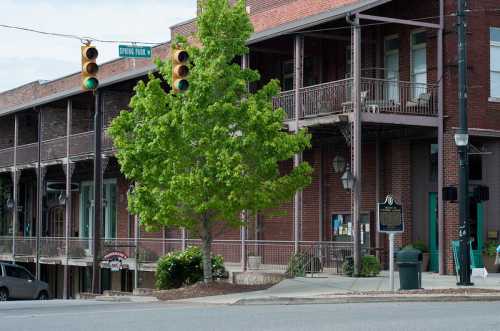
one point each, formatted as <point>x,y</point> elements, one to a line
<point>375,83</point>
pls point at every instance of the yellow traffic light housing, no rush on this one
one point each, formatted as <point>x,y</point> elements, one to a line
<point>180,70</point>
<point>89,68</point>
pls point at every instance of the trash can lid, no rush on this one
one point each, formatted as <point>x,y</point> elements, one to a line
<point>409,255</point>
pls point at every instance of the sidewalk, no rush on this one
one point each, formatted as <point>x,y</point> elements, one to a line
<point>335,289</point>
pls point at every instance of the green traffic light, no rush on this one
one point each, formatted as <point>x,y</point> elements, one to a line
<point>90,83</point>
<point>182,85</point>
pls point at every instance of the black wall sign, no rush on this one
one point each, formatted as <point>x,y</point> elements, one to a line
<point>390,216</point>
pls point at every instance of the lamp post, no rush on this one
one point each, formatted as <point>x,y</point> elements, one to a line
<point>462,142</point>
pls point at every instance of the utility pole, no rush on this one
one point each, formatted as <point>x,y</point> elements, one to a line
<point>96,286</point>
<point>462,142</point>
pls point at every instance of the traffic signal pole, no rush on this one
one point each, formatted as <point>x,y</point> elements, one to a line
<point>96,270</point>
<point>461,140</point>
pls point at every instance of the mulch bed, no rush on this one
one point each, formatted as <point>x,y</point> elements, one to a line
<point>205,290</point>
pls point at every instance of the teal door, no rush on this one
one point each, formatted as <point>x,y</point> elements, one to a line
<point>433,233</point>
<point>477,232</point>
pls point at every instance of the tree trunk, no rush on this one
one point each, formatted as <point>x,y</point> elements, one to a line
<point>206,238</point>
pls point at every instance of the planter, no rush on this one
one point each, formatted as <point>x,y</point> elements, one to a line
<point>489,264</point>
<point>254,262</point>
<point>425,261</point>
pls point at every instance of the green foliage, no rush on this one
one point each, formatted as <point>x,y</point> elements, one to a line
<point>370,266</point>
<point>490,248</point>
<point>296,265</point>
<point>420,245</point>
<point>201,157</point>
<point>147,255</point>
<point>185,268</point>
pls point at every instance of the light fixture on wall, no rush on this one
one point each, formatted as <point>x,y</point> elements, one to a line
<point>10,204</point>
<point>338,164</point>
<point>347,179</point>
<point>62,198</point>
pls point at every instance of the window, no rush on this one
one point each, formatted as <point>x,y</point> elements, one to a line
<point>433,167</point>
<point>287,73</point>
<point>391,65</point>
<point>108,229</point>
<point>341,227</point>
<point>475,167</point>
<point>418,63</point>
<point>495,62</point>
<point>12,271</point>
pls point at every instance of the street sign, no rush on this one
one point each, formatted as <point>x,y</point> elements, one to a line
<point>143,52</point>
<point>390,216</point>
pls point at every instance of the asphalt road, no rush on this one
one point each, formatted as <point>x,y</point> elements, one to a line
<point>95,316</point>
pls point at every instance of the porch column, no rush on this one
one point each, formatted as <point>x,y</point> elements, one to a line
<point>137,230</point>
<point>298,80</point>
<point>321,194</point>
<point>245,64</point>
<point>15,180</point>
<point>356,143</point>
<point>40,176</point>
<point>96,277</point>
<point>441,235</point>
<point>378,182</point>
<point>68,169</point>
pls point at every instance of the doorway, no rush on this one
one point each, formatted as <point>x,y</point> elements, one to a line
<point>433,233</point>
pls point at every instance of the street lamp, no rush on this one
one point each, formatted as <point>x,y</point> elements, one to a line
<point>347,179</point>
<point>10,204</point>
<point>338,164</point>
<point>461,139</point>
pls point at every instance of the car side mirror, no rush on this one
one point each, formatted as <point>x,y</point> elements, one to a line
<point>30,280</point>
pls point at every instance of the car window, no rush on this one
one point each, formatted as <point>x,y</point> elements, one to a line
<point>16,272</point>
<point>23,274</point>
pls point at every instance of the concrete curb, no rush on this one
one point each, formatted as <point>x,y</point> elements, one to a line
<point>122,298</point>
<point>367,299</point>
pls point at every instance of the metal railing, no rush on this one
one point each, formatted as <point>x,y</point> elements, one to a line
<point>7,157</point>
<point>377,96</point>
<point>27,153</point>
<point>271,255</point>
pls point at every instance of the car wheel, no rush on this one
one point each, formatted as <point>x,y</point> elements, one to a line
<point>43,296</point>
<point>4,294</point>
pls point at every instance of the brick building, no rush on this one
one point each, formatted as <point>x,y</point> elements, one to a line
<point>379,96</point>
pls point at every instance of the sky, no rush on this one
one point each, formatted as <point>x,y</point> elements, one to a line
<point>27,57</point>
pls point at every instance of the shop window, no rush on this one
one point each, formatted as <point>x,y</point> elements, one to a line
<point>341,228</point>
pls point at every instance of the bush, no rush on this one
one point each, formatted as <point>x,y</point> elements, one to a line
<point>296,265</point>
<point>370,267</point>
<point>181,268</point>
<point>490,248</point>
<point>420,245</point>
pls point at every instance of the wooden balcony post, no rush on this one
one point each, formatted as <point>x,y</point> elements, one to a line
<point>356,143</point>
<point>40,176</point>
<point>441,237</point>
<point>15,181</point>
<point>245,64</point>
<point>298,82</point>
<point>67,222</point>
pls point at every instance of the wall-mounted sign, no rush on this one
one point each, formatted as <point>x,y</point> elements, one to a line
<point>390,216</point>
<point>115,260</point>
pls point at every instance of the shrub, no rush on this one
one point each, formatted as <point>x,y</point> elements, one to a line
<point>370,267</point>
<point>490,248</point>
<point>420,245</point>
<point>296,265</point>
<point>185,268</point>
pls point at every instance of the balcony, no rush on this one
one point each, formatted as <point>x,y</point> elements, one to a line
<point>377,96</point>
<point>81,144</point>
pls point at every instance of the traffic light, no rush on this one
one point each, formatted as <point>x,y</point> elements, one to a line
<point>180,70</point>
<point>89,67</point>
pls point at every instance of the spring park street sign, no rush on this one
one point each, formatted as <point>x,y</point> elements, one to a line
<point>141,52</point>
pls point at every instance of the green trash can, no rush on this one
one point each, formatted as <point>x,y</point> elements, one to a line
<point>409,262</point>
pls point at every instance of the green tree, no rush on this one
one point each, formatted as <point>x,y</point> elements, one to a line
<point>201,157</point>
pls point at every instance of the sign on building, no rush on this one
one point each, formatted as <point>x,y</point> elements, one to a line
<point>115,260</point>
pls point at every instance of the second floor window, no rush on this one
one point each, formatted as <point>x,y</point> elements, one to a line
<point>418,63</point>
<point>495,62</point>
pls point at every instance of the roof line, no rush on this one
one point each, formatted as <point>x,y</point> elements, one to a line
<point>309,21</point>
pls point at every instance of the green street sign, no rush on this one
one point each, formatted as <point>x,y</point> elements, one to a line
<point>134,51</point>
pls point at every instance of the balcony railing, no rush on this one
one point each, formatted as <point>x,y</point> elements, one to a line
<point>377,96</point>
<point>272,255</point>
<point>53,149</point>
